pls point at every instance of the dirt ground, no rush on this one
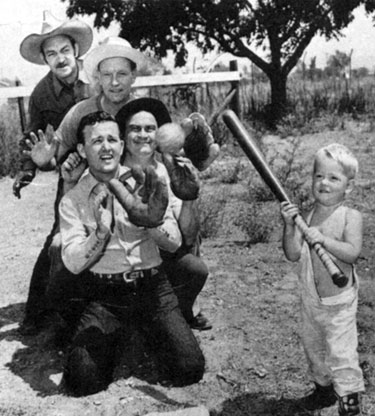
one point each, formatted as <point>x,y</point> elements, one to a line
<point>254,361</point>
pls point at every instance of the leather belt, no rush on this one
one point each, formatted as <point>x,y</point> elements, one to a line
<point>126,277</point>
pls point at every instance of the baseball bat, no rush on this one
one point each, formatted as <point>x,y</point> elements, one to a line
<point>252,151</point>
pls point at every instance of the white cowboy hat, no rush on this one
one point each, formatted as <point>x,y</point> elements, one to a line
<point>81,32</point>
<point>112,47</point>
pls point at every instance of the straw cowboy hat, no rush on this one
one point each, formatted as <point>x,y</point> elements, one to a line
<point>112,47</point>
<point>30,47</point>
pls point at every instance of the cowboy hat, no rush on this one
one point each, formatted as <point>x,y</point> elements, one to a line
<point>31,46</point>
<point>112,47</point>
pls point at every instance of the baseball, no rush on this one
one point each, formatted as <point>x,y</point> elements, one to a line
<point>170,138</point>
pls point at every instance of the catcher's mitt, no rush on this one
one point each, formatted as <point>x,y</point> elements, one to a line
<point>199,146</point>
<point>147,202</point>
<point>183,175</point>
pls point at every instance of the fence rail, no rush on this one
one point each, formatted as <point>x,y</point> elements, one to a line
<point>232,76</point>
<point>145,82</point>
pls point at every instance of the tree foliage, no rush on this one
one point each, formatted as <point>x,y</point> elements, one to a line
<point>280,29</point>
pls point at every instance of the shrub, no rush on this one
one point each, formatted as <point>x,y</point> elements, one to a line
<point>10,133</point>
<point>211,213</point>
<point>256,222</point>
<point>231,175</point>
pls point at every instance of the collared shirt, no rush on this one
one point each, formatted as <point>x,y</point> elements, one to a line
<point>49,102</point>
<point>51,99</point>
<point>128,248</point>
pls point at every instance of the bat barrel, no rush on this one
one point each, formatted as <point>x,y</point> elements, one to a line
<point>252,151</point>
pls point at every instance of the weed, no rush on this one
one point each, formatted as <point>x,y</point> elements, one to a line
<point>232,175</point>
<point>211,213</point>
<point>9,135</point>
<point>256,222</point>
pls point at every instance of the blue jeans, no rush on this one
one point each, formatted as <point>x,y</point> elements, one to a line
<point>107,308</point>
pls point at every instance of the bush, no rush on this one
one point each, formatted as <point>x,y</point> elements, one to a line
<point>211,214</point>
<point>256,222</point>
<point>10,133</point>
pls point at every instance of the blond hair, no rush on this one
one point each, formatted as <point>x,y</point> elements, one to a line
<point>342,155</point>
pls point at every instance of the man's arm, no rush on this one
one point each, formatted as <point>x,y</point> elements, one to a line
<point>167,236</point>
<point>81,249</point>
<point>27,167</point>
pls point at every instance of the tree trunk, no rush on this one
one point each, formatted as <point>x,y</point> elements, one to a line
<point>278,105</point>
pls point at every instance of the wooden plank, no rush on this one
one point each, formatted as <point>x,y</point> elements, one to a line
<point>145,82</point>
<point>184,79</point>
<point>15,92</point>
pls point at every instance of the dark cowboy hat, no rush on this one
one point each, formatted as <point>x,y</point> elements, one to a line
<point>31,46</point>
<point>151,105</point>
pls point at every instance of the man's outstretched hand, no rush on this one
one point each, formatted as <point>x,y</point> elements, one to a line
<point>42,147</point>
<point>147,202</point>
<point>23,179</point>
<point>199,145</point>
<point>184,177</point>
<point>103,210</point>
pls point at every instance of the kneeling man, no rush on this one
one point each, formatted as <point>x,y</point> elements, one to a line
<point>113,251</point>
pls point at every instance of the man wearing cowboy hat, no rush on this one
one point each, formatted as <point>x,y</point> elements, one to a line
<point>58,46</point>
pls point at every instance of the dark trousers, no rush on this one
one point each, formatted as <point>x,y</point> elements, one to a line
<point>35,309</point>
<point>35,304</point>
<point>109,307</point>
<point>187,274</point>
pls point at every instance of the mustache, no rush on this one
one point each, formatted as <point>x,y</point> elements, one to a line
<point>61,65</point>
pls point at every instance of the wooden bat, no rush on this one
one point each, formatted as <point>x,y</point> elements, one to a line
<point>252,151</point>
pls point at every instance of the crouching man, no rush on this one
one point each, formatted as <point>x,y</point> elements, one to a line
<point>112,249</point>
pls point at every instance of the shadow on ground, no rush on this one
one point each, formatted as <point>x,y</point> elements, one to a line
<point>259,404</point>
<point>33,358</point>
<point>39,361</point>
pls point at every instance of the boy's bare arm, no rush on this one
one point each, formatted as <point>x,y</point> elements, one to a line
<point>348,249</point>
<point>292,238</point>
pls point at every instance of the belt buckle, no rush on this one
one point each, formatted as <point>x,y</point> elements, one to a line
<point>131,277</point>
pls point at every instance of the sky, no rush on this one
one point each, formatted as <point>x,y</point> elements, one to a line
<point>19,18</point>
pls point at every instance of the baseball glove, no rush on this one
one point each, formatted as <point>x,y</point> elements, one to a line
<point>199,145</point>
<point>183,175</point>
<point>147,202</point>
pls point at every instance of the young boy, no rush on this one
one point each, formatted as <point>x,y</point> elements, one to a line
<point>329,332</point>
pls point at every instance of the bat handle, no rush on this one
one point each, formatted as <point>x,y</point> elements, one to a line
<point>338,277</point>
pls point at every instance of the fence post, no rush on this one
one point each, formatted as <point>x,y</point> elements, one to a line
<point>236,102</point>
<point>21,108</point>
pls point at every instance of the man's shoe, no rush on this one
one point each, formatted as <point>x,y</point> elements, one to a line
<point>200,322</point>
<point>321,397</point>
<point>349,405</point>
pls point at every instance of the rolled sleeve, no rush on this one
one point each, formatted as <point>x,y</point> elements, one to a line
<point>167,235</point>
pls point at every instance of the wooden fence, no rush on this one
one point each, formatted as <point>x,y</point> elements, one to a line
<point>232,76</point>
